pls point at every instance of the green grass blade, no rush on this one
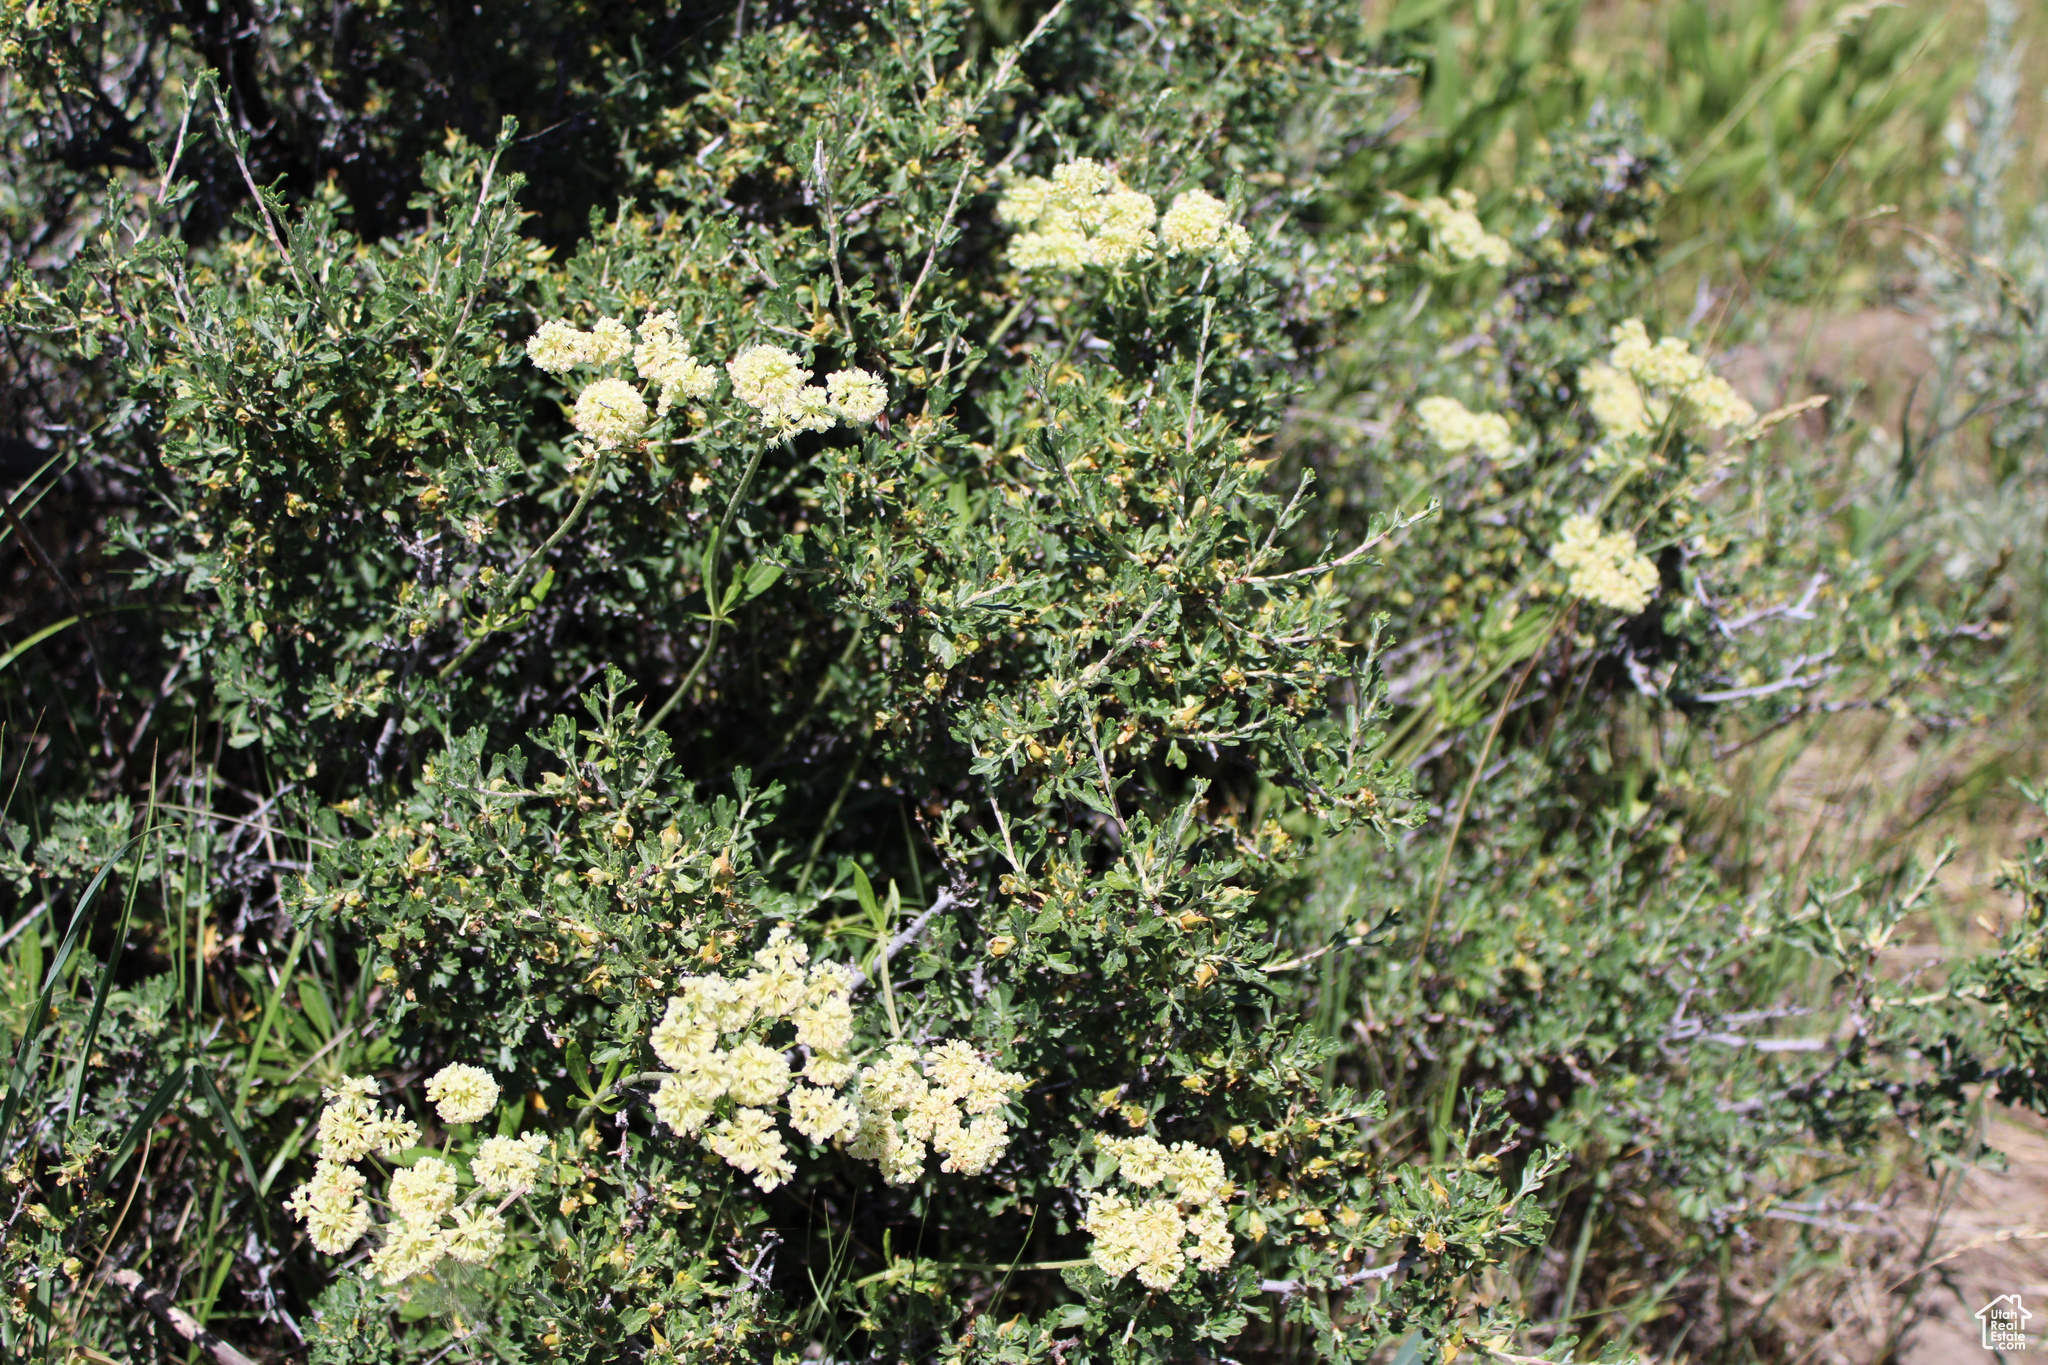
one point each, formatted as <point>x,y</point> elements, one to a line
<point>173,1086</point>
<point>263,1025</point>
<point>106,982</point>
<point>234,1135</point>
<point>31,1039</point>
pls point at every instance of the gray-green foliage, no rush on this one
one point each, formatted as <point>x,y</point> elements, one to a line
<point>1146,701</point>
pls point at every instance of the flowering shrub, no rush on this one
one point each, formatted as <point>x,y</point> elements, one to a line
<point>893,752</point>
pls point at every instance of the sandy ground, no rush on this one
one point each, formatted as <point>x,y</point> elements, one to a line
<point>1992,1241</point>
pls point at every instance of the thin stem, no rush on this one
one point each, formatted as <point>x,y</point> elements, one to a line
<point>525,570</point>
<point>821,180</point>
<point>1443,871</point>
<point>985,1267</point>
<point>732,508</point>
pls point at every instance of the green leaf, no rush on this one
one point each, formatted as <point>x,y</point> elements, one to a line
<point>762,577</point>
<point>864,890</point>
<point>579,1068</point>
<point>531,599</point>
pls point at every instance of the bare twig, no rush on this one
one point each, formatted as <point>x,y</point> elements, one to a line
<point>1784,684</point>
<point>945,900</point>
<point>179,1321</point>
<point>262,205</point>
<point>1289,1288</point>
<point>1392,528</point>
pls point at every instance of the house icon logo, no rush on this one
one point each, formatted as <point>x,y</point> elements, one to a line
<point>2005,1323</point>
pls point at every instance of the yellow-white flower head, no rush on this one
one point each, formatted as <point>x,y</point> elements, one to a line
<point>1197,1175</point>
<point>716,1003</point>
<point>680,1105</point>
<point>756,1074</point>
<point>1667,368</point>
<point>1144,1236</point>
<point>461,1093</point>
<point>1604,567</point>
<point>348,1126</point>
<point>826,1026</point>
<point>476,1237</point>
<point>1150,1236</point>
<point>1140,1160</point>
<point>391,1135</point>
<point>766,378</point>
<point>422,1192</point>
<point>610,412</point>
<point>1714,400</point>
<point>821,1115</point>
<point>1213,1247</point>
<point>662,358</point>
<point>1615,401</point>
<point>408,1250</point>
<point>1053,248</point>
<point>808,409</point>
<point>332,1207</point>
<point>856,395</point>
<point>782,952</point>
<point>903,1106</point>
<point>748,1141</point>
<point>682,1037</point>
<point>610,342</point>
<point>660,350</point>
<point>1123,230</point>
<point>714,1037</point>
<point>505,1164</point>
<point>1459,231</point>
<point>1197,223</point>
<point>351,1128</point>
<point>559,347</point>
<point>1453,428</point>
<point>830,1069</point>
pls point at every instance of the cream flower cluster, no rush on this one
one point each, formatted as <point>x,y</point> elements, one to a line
<point>612,410</point>
<point>1632,392</point>
<point>662,358</point>
<point>351,1127</point>
<point>1604,567</point>
<point>713,1040</point>
<point>508,1165</point>
<point>332,1207</point>
<point>1083,215</point>
<point>1161,1234</point>
<point>774,383</point>
<point>949,1099</point>
<point>1197,223</point>
<point>1459,231</point>
<point>1453,428</point>
<point>429,1218</point>
<point>1615,401</point>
